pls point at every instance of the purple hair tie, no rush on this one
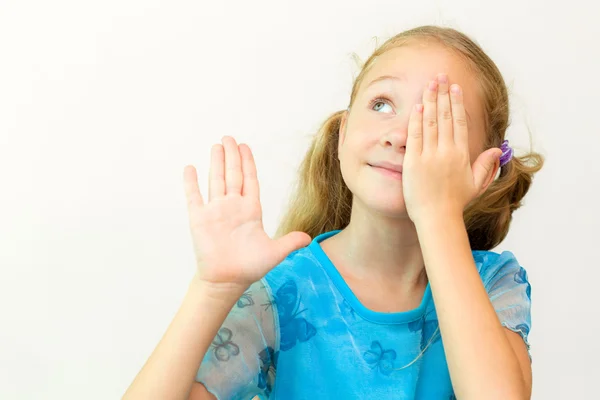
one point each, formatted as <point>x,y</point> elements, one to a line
<point>507,153</point>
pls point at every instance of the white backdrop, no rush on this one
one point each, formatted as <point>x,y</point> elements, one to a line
<point>102,104</point>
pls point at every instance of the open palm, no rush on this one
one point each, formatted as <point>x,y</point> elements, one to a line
<point>230,243</point>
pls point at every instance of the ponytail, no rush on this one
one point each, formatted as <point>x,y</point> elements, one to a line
<point>321,201</point>
<point>488,218</point>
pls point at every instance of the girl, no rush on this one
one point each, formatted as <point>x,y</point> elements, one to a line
<point>380,283</point>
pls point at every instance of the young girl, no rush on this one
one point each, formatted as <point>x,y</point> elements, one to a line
<point>380,283</point>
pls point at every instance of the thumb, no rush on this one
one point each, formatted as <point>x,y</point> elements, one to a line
<point>484,168</point>
<point>290,242</point>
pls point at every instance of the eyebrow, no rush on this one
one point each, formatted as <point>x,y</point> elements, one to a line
<point>384,78</point>
<point>399,79</point>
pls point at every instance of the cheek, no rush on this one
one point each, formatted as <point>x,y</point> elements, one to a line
<point>349,161</point>
<point>363,138</point>
<point>353,144</point>
<point>352,157</point>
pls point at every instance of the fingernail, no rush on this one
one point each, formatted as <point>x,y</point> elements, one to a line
<point>443,78</point>
<point>455,89</point>
<point>419,107</point>
<point>433,85</point>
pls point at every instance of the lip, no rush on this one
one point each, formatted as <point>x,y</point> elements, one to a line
<point>390,170</point>
<point>389,166</point>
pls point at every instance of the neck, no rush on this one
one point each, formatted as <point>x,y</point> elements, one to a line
<point>380,248</point>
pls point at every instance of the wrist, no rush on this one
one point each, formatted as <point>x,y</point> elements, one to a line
<point>438,217</point>
<point>437,232</point>
<point>223,294</point>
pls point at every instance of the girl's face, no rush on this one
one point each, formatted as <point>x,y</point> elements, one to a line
<point>376,128</point>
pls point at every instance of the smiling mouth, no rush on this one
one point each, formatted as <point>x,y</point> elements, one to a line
<point>387,172</point>
<point>397,169</point>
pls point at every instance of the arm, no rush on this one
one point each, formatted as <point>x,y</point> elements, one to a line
<point>170,371</point>
<point>439,181</point>
<point>199,392</point>
<point>232,251</point>
<point>485,359</point>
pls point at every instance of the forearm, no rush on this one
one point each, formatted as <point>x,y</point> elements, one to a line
<point>480,359</point>
<point>170,371</point>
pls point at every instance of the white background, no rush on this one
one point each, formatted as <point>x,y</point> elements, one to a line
<point>102,104</point>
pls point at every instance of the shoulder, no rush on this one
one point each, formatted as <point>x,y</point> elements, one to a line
<point>493,266</point>
<point>298,266</point>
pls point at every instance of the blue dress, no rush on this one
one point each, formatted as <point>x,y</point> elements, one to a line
<point>300,333</point>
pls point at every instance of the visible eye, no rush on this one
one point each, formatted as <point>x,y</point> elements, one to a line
<point>379,103</point>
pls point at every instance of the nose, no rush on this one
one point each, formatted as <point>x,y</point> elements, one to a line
<point>395,134</point>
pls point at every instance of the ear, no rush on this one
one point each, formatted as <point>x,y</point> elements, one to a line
<point>342,132</point>
<point>485,169</point>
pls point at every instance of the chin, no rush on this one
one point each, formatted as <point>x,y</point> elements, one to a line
<point>375,193</point>
<point>391,205</point>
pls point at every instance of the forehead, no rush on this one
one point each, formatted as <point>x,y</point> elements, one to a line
<point>417,64</point>
<point>421,62</point>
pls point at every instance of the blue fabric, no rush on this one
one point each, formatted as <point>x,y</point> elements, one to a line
<point>300,333</point>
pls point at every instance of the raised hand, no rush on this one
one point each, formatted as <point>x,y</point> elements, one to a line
<point>231,246</point>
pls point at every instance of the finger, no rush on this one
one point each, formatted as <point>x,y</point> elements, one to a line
<point>414,141</point>
<point>484,168</point>
<point>216,175</point>
<point>289,243</point>
<point>444,112</point>
<point>250,184</point>
<point>233,166</point>
<point>430,125</point>
<point>459,117</point>
<point>191,188</point>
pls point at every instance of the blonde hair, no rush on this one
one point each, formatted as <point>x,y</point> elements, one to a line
<point>322,202</point>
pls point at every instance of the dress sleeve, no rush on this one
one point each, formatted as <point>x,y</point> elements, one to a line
<point>509,291</point>
<point>239,363</point>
